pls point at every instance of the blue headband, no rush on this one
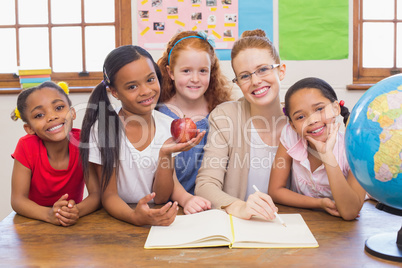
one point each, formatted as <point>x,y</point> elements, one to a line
<point>201,35</point>
<point>191,36</point>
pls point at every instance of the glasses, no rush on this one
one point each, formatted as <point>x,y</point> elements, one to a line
<point>260,72</point>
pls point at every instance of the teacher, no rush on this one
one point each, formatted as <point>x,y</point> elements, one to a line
<point>244,135</point>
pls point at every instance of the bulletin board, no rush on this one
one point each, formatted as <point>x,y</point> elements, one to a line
<point>159,20</point>
<point>242,15</point>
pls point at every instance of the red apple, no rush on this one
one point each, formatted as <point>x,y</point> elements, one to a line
<point>183,129</point>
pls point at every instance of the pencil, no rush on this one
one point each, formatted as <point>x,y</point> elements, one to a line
<point>276,214</point>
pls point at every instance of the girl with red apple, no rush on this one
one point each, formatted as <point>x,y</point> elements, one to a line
<point>47,180</point>
<point>244,135</point>
<point>130,148</point>
<point>193,85</point>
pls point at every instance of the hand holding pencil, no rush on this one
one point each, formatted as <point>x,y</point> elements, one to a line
<point>275,213</point>
<point>257,204</point>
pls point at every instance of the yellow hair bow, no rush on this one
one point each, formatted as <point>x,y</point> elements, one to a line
<point>17,114</point>
<point>64,86</point>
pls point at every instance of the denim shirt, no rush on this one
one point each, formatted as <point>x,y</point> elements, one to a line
<point>187,163</point>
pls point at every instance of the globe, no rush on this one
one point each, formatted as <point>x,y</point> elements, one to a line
<point>373,140</point>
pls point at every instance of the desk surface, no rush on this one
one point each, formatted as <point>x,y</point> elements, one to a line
<point>98,240</point>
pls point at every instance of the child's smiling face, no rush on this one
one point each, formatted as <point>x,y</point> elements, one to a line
<point>191,74</point>
<point>137,87</point>
<point>310,113</point>
<point>49,115</point>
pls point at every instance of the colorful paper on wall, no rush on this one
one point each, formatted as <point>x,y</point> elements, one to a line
<point>256,14</point>
<point>313,29</point>
<point>252,15</point>
<point>159,20</point>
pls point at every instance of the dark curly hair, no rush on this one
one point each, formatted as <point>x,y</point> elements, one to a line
<point>326,90</point>
<point>22,98</point>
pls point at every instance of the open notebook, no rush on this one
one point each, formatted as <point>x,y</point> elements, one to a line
<point>214,228</point>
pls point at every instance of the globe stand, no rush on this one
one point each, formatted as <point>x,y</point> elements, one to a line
<point>385,246</point>
<point>389,209</point>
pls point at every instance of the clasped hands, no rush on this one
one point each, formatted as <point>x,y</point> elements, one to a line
<point>64,212</point>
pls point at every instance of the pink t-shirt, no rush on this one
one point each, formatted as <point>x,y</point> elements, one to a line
<point>303,181</point>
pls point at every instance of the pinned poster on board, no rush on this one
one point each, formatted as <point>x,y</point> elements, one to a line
<point>314,30</point>
<point>159,20</point>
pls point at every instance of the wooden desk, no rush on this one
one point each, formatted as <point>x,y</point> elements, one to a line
<point>98,240</point>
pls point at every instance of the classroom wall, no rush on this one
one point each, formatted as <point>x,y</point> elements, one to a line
<point>337,72</point>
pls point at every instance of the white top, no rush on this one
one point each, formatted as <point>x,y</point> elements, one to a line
<point>137,168</point>
<point>261,158</point>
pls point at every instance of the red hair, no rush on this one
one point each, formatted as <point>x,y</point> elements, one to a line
<point>218,90</point>
<point>254,39</point>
